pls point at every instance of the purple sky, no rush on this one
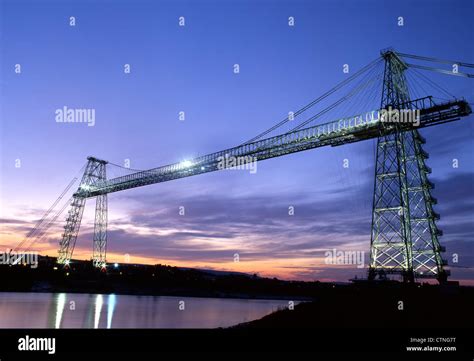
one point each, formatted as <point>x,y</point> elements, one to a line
<point>190,69</point>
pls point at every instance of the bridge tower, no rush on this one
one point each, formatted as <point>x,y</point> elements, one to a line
<point>404,237</point>
<point>94,173</point>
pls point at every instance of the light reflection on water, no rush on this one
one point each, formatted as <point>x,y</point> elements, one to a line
<point>98,307</point>
<point>61,301</point>
<point>110,310</point>
<point>74,310</point>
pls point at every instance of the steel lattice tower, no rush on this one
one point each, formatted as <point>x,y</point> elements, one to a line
<point>404,238</point>
<point>94,173</point>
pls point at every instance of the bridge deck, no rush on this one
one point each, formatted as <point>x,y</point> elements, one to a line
<point>342,131</point>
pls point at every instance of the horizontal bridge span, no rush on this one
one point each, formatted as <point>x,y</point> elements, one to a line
<point>338,132</point>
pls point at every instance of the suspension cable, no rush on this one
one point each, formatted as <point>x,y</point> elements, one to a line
<point>40,223</point>
<point>444,61</point>
<point>338,102</point>
<point>335,104</point>
<point>433,83</point>
<point>42,235</point>
<point>315,101</point>
<point>442,71</point>
<point>130,169</point>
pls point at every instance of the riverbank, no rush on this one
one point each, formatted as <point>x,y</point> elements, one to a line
<point>375,306</point>
<point>153,280</point>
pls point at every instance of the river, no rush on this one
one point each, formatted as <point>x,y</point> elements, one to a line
<point>76,310</point>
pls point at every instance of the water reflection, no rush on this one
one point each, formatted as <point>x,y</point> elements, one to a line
<point>46,310</point>
<point>98,307</point>
<point>110,309</point>
<point>60,302</point>
<point>88,315</point>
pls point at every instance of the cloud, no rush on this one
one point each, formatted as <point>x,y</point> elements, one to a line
<point>215,226</point>
<point>258,227</point>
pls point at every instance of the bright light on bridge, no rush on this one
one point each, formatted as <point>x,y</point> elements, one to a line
<point>186,164</point>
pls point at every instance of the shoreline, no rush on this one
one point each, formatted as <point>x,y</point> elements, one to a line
<point>150,280</point>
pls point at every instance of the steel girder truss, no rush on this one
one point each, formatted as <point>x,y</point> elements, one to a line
<point>339,132</point>
<point>404,238</point>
